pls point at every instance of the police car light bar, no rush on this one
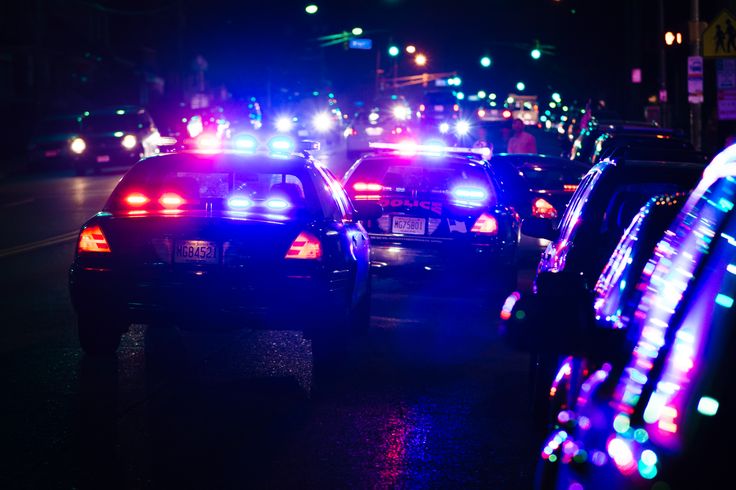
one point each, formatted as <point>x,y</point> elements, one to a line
<point>412,148</point>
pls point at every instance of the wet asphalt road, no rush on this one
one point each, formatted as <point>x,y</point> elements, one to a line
<point>431,399</point>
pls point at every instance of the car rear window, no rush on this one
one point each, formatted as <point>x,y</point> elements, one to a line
<point>202,183</point>
<point>549,177</point>
<point>420,176</point>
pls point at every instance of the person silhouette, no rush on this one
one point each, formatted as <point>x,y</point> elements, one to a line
<point>720,38</point>
<point>731,35</point>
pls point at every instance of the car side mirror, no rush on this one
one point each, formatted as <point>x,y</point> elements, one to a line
<point>540,228</point>
<point>367,210</point>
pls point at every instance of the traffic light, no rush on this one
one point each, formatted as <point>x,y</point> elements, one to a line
<point>393,51</point>
<point>520,86</point>
<point>485,61</point>
<point>311,9</point>
<point>536,53</point>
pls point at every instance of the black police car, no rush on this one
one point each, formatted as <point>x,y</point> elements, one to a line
<point>224,239</point>
<point>113,137</point>
<point>443,209</point>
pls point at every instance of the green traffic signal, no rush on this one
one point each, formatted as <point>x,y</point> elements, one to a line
<point>393,51</point>
<point>485,61</point>
<point>536,53</point>
<point>520,86</point>
<point>311,9</point>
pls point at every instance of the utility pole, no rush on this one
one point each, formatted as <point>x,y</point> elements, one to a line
<point>663,95</point>
<point>696,123</point>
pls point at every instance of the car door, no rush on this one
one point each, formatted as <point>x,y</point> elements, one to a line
<point>356,237</point>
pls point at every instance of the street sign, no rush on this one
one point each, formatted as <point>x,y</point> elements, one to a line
<point>727,104</point>
<point>695,79</point>
<point>360,43</point>
<point>719,39</point>
<point>726,73</point>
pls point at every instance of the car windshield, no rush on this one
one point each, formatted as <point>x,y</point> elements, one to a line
<point>102,123</point>
<point>221,183</point>
<point>421,176</point>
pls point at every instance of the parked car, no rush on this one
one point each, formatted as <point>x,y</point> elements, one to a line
<point>655,406</point>
<point>538,185</point>
<point>584,145</point>
<point>645,146</point>
<point>599,212</point>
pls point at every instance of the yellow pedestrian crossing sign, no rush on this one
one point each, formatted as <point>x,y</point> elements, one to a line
<point>719,39</point>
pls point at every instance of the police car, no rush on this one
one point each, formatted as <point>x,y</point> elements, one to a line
<point>443,209</point>
<point>224,239</point>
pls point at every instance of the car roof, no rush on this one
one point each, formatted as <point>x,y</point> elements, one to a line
<point>536,157</point>
<point>227,157</point>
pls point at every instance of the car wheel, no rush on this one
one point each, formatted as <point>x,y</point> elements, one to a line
<point>98,337</point>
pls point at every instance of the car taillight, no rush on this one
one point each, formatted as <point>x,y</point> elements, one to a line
<point>367,187</point>
<point>92,240</point>
<point>543,209</point>
<point>136,199</point>
<point>305,246</point>
<point>367,191</point>
<point>171,200</point>
<point>485,225</point>
<point>569,187</point>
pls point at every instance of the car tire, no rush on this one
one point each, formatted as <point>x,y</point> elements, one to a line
<point>97,337</point>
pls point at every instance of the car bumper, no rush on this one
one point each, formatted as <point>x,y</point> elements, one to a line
<point>208,297</point>
<point>450,256</point>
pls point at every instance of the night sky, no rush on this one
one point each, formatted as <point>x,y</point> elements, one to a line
<point>261,48</point>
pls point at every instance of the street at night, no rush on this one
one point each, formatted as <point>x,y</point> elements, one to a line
<point>419,406</point>
<point>388,244</point>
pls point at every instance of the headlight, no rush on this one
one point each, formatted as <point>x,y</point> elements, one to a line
<point>462,128</point>
<point>401,112</point>
<point>322,122</point>
<point>444,127</point>
<point>78,146</point>
<point>284,124</point>
<point>129,141</point>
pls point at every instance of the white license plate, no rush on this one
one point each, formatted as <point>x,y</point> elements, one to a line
<point>51,153</point>
<point>302,132</point>
<point>103,158</point>
<point>408,226</point>
<point>195,252</point>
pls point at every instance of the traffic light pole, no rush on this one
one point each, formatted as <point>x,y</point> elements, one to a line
<point>696,123</point>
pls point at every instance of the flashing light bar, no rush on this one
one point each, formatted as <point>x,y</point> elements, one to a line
<point>416,148</point>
